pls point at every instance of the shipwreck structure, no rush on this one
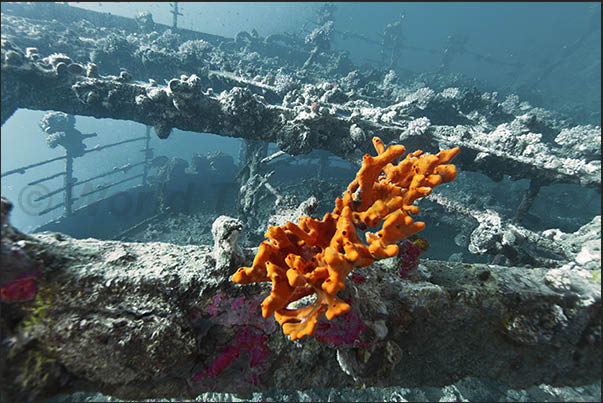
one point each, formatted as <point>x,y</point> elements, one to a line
<point>157,320</point>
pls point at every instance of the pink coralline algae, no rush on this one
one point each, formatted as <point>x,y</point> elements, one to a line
<point>408,258</point>
<point>18,273</point>
<point>20,290</point>
<point>240,311</point>
<point>247,353</point>
<point>345,330</point>
<point>357,278</point>
<point>249,343</point>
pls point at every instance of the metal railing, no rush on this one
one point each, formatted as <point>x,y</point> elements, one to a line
<point>69,182</point>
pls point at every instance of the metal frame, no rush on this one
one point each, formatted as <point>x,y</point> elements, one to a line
<point>68,180</point>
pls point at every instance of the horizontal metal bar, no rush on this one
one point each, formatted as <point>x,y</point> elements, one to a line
<point>25,168</point>
<point>62,204</point>
<point>46,179</point>
<point>103,187</point>
<point>113,171</point>
<point>47,195</point>
<point>98,147</point>
<point>144,222</point>
<point>49,209</point>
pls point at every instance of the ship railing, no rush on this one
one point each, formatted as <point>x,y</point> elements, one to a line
<point>70,182</point>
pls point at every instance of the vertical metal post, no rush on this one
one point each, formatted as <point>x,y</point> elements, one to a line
<point>147,156</point>
<point>68,183</point>
<point>527,200</point>
<point>175,14</point>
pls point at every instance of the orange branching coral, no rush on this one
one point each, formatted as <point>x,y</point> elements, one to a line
<point>316,256</point>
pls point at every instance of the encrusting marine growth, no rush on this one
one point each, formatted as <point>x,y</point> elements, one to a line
<point>316,256</point>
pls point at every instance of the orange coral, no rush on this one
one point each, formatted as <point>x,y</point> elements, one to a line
<point>316,256</point>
